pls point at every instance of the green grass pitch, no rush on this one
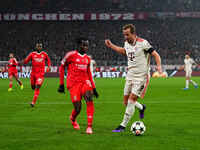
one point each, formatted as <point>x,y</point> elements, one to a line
<point>171,118</point>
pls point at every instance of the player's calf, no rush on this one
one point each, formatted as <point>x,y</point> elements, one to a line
<point>33,87</point>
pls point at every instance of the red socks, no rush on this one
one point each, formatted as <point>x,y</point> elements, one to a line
<point>20,83</point>
<point>90,112</point>
<point>36,94</point>
<point>10,85</point>
<point>73,115</point>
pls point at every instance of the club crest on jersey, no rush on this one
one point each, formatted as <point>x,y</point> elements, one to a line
<point>135,49</point>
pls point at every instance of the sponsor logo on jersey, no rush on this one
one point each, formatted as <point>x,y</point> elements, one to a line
<point>81,66</point>
<point>38,59</point>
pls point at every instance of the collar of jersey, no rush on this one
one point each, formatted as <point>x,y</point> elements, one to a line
<point>80,54</point>
<point>37,52</point>
<point>134,42</point>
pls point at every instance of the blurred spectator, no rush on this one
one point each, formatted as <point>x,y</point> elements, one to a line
<point>100,5</point>
<point>171,38</point>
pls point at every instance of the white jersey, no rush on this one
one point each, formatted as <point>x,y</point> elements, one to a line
<point>188,64</point>
<point>92,65</point>
<point>138,58</point>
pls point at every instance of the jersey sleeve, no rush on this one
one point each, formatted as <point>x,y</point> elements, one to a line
<point>15,62</point>
<point>28,58</point>
<point>147,47</point>
<point>61,74</point>
<point>64,63</point>
<point>48,60</point>
<point>192,61</point>
<point>90,75</point>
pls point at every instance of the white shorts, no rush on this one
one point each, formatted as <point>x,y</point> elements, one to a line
<point>137,86</point>
<point>188,73</point>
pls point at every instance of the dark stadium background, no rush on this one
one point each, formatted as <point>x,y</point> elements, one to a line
<point>172,26</point>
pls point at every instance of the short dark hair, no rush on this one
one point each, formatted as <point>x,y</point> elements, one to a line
<point>80,40</point>
<point>131,27</point>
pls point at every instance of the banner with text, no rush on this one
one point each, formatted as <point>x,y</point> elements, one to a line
<point>71,17</point>
<point>94,16</point>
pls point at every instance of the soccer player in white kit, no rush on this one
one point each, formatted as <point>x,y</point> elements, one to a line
<point>188,71</point>
<point>92,66</point>
<point>138,52</point>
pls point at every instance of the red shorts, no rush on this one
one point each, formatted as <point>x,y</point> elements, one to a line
<point>12,73</point>
<point>37,79</point>
<point>78,90</point>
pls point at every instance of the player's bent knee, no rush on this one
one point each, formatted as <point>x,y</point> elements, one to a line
<point>88,96</point>
<point>37,86</point>
<point>133,97</point>
<point>77,107</point>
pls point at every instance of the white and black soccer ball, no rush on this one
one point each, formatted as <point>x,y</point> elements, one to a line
<point>138,128</point>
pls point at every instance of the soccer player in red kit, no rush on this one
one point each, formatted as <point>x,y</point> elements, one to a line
<point>79,82</point>
<point>38,58</point>
<point>12,72</point>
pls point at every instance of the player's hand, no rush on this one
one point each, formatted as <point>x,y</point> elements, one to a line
<point>181,68</point>
<point>61,89</point>
<point>159,69</point>
<point>108,43</point>
<point>95,93</point>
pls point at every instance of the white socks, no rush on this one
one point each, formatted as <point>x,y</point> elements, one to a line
<point>130,109</point>
<point>194,83</point>
<point>187,84</point>
<point>138,105</point>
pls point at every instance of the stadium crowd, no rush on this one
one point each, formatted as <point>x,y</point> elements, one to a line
<point>96,5</point>
<point>172,38</point>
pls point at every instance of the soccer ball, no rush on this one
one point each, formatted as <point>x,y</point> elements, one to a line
<point>138,128</point>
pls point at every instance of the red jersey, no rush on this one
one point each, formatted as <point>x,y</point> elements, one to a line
<point>12,65</point>
<point>38,61</point>
<point>78,68</point>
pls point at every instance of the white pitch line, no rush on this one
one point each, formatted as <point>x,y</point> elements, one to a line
<point>113,102</point>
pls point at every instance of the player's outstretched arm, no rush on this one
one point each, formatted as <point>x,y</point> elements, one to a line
<point>26,60</point>
<point>158,60</point>
<point>116,48</point>
<point>96,94</point>
<point>48,63</point>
